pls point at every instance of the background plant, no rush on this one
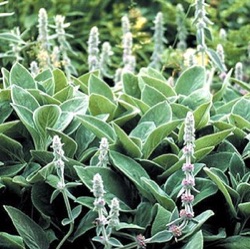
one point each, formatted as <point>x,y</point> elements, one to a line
<point>143,123</point>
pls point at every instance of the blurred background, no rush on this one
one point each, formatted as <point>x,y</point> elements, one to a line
<point>233,16</point>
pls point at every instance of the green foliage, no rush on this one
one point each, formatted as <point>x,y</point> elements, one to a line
<point>142,117</point>
<point>145,157</point>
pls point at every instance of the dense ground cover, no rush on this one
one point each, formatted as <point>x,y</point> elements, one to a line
<point>127,128</point>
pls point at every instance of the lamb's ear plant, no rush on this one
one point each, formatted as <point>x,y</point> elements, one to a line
<point>86,164</point>
<point>128,59</point>
<point>159,41</point>
<point>186,214</point>
<point>63,188</point>
<point>64,45</point>
<point>105,59</point>
<point>202,33</point>
<point>43,39</point>
<point>105,222</point>
<point>181,28</point>
<point>93,50</point>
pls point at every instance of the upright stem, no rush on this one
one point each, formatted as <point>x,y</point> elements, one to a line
<point>71,225</point>
<point>104,233</point>
<point>66,235</point>
<point>203,48</point>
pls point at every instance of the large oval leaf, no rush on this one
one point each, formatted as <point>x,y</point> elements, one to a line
<point>23,98</point>
<point>161,197</point>
<point>20,76</point>
<point>158,84</point>
<point>190,80</point>
<point>131,169</point>
<point>98,127</point>
<point>46,117</point>
<point>223,189</point>
<point>157,136</point>
<point>32,234</point>
<point>127,143</point>
<point>159,114</point>
<point>152,96</point>
<point>98,86</point>
<point>99,104</point>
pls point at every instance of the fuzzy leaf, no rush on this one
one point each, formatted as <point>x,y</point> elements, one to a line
<point>20,76</point>
<point>46,117</point>
<point>157,84</point>
<point>6,78</point>
<point>196,241</point>
<point>41,194</point>
<point>151,72</point>
<point>130,168</point>
<point>85,224</point>
<point>11,37</point>
<point>206,188</point>
<point>202,115</point>
<point>144,214</point>
<point>60,80</point>
<point>11,147</point>
<point>11,170</point>
<point>195,226</point>
<point>214,57</point>
<point>235,242</point>
<point>190,80</point>
<point>77,105</point>
<point>83,80</point>
<point>161,219</point>
<point>219,94</point>
<point>97,126</point>
<point>5,106</point>
<point>99,87</point>
<point>197,99</point>
<point>159,114</point>
<point>8,241</point>
<point>137,103</point>
<point>65,94</point>
<point>222,188</point>
<point>243,189</point>
<point>128,112</point>
<point>245,208</point>
<point>179,111</point>
<point>98,104</point>
<point>123,225</point>
<point>23,98</point>
<point>127,143</point>
<point>157,136</point>
<point>151,96</point>
<point>160,237</point>
<point>242,108</point>
<point>219,160</point>
<point>32,234</point>
<point>161,197</point>
<point>237,165</point>
<point>130,85</point>
<point>143,130</point>
<point>212,139</point>
<point>115,242</point>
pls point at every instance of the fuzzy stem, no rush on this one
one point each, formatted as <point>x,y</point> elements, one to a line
<point>104,233</point>
<point>66,236</point>
<point>71,227</point>
<point>67,204</point>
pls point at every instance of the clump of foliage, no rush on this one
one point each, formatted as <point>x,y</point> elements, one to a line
<point>145,161</point>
